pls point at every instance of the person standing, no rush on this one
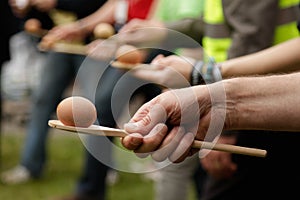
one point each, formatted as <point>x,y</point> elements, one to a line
<point>12,26</point>
<point>58,73</point>
<point>233,29</point>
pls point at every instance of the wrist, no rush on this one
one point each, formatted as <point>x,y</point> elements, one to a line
<point>196,77</point>
<point>237,107</point>
<point>205,73</point>
<point>82,28</point>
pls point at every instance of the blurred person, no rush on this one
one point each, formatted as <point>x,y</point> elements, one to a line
<point>173,179</point>
<point>281,58</point>
<point>239,37</point>
<point>272,105</point>
<point>222,42</point>
<point>114,12</point>
<point>171,183</point>
<point>241,92</point>
<point>12,26</point>
<point>107,78</point>
<point>58,73</point>
<point>177,190</point>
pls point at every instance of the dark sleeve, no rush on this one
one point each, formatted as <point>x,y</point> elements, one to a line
<point>81,7</point>
<point>252,24</point>
<point>192,27</point>
<point>185,33</point>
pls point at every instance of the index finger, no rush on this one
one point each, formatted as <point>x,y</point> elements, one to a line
<point>148,116</point>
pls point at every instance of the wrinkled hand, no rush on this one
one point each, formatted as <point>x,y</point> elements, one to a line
<point>171,71</point>
<point>166,126</point>
<point>219,164</point>
<point>142,32</point>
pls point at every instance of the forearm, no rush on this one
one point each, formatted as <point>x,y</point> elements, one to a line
<point>103,14</point>
<point>284,57</point>
<point>263,103</point>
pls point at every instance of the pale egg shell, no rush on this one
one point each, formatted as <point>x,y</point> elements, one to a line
<point>76,111</point>
<point>104,31</point>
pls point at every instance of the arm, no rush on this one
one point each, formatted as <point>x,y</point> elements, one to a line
<point>104,14</point>
<point>79,29</point>
<point>277,59</point>
<point>167,125</point>
<point>263,103</point>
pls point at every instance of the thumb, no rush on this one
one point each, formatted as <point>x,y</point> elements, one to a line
<point>157,59</point>
<point>146,118</point>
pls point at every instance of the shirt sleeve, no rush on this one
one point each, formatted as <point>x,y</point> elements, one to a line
<point>252,25</point>
<point>192,27</point>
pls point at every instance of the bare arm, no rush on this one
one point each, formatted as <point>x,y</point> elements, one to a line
<point>270,102</point>
<point>103,14</point>
<point>251,103</point>
<point>79,29</point>
<point>283,57</point>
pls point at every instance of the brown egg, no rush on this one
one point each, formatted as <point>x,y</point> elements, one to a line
<point>104,31</point>
<point>129,54</point>
<point>76,111</point>
<point>33,26</point>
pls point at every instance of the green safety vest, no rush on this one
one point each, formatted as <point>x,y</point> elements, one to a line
<point>217,35</point>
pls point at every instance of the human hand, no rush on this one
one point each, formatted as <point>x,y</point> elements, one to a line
<point>171,71</point>
<point>102,49</point>
<point>219,164</point>
<point>44,5</point>
<point>142,32</point>
<point>70,32</point>
<point>166,126</point>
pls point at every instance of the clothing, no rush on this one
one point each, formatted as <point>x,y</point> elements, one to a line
<point>180,10</point>
<point>251,25</point>
<point>233,32</point>
<point>58,73</point>
<point>252,28</point>
<point>174,178</point>
<point>139,9</point>
<point>94,171</point>
<point>260,178</point>
<point>11,24</point>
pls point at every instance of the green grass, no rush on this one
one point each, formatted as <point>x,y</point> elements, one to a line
<point>65,159</point>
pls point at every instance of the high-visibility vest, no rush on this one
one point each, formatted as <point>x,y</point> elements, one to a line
<point>217,41</point>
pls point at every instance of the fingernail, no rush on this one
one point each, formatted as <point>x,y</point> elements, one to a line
<point>136,139</point>
<point>130,126</point>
